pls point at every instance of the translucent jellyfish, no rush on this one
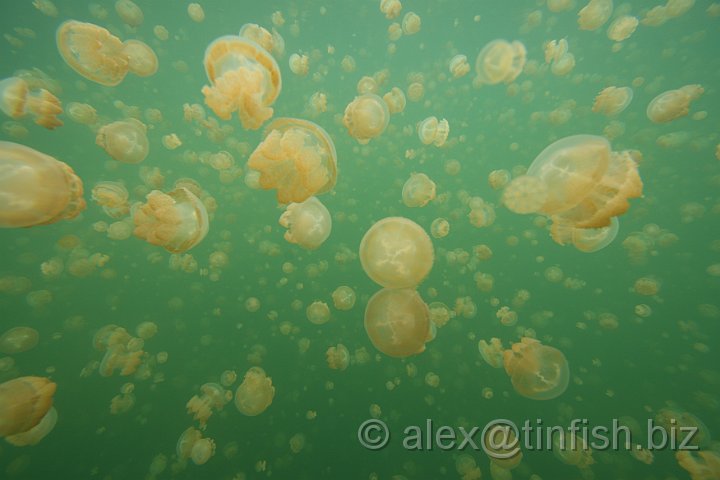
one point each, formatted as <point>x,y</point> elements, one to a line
<point>344,298</point>
<point>244,77</point>
<point>397,322</point>
<point>36,433</point>
<point>391,8</point>
<point>492,352</point>
<point>112,197</point>
<point>255,393</point>
<point>318,312</point>
<point>18,340</point>
<point>594,15</point>
<point>440,228</point>
<point>142,60</point>
<point>24,402</point>
<point>622,28</point>
<point>366,117</point>
<point>18,100</point>
<point>212,397</point>
<point>432,131</point>
<point>418,190</point>
<point>126,140</point>
<point>297,158</point>
<point>36,189</point>
<point>196,12</point>
<point>459,66</point>
<point>612,100</point>
<point>395,100</point>
<point>299,64</point>
<point>525,194</point>
<point>367,84</point>
<point>679,424</point>
<point>705,465</point>
<point>176,221</point>
<point>673,104</point>
<point>498,179</point>
<point>129,12</point>
<point>537,371</point>
<point>46,7</point>
<point>411,23</point>
<point>586,240</point>
<point>308,223</point>
<point>338,357</point>
<point>482,214</point>
<point>396,253</point>
<point>271,42</point>
<point>93,52</point>
<point>500,61</point>
<point>192,445</point>
<point>82,113</point>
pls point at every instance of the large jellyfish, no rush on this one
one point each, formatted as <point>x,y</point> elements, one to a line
<point>36,189</point>
<point>308,223</point>
<point>244,78</point>
<point>398,322</point>
<point>297,158</point>
<point>537,371</point>
<point>24,402</point>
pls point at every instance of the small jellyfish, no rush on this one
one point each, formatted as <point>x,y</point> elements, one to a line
<point>196,12</point>
<point>391,8</point>
<point>673,104</point>
<point>297,158</point>
<point>397,322</point>
<point>271,42</point>
<point>36,189</point>
<point>112,197</point>
<point>432,131</point>
<point>308,223</point>
<point>142,60</point>
<point>459,66</point>
<point>129,12</point>
<point>411,23</point>
<point>318,312</point>
<point>82,113</point>
<point>418,190</point>
<point>396,253</point>
<point>338,357</point>
<point>500,61</point>
<point>244,77</point>
<point>366,117</point>
<point>255,393</point>
<point>440,228</point>
<point>594,15</point>
<point>18,340</point>
<point>126,140</point>
<point>705,465</point>
<point>24,402</point>
<point>344,298</point>
<point>622,28</point>
<point>525,194</point>
<point>176,221</point>
<point>395,100</point>
<point>612,100</point>
<point>537,371</point>
<point>18,100</point>
<point>492,352</point>
<point>299,64</point>
<point>586,240</point>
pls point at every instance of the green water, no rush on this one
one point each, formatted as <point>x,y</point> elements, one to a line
<point>631,368</point>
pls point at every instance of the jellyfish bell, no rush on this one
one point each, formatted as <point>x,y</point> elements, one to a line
<point>125,140</point>
<point>537,371</point>
<point>500,61</point>
<point>612,100</point>
<point>142,60</point>
<point>255,393</point>
<point>397,322</point>
<point>176,221</point>
<point>418,190</point>
<point>308,223</point>
<point>525,194</point>
<point>18,340</point>
<point>36,189</point>
<point>244,77</point>
<point>297,158</point>
<point>594,15</point>
<point>673,104</point>
<point>366,117</point>
<point>24,402</point>
<point>36,433</point>
<point>129,12</point>
<point>396,253</point>
<point>432,131</point>
<point>586,240</point>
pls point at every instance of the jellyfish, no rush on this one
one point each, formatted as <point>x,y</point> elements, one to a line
<point>93,52</point>
<point>459,66</point>
<point>391,8</point>
<point>572,449</point>
<point>112,197</point>
<point>418,190</point>
<point>255,393</point>
<point>344,298</point>
<point>212,397</point>
<point>500,62</point>
<point>397,322</point>
<point>525,194</point>
<point>673,104</point>
<point>492,352</point>
<point>299,64</point>
<point>502,446</point>
<point>82,113</point>
<point>338,357</point>
<point>18,100</point>
<point>612,100</point>
<point>24,401</point>
<point>481,214</point>
<point>192,445</point>
<point>129,12</point>
<point>586,240</point>
<point>36,433</point>
<point>594,15</point>
<point>244,77</point>
<point>142,60</point>
<point>297,158</point>
<point>196,12</point>
<point>318,312</point>
<point>308,223</point>
<point>395,100</point>
<point>18,340</point>
<point>271,42</point>
<point>622,28</point>
<point>685,427</point>
<point>126,140</point>
<point>537,371</point>
<point>705,465</point>
<point>36,189</point>
<point>411,23</point>
<point>432,131</point>
<point>366,117</point>
<point>176,221</point>
<point>396,253</point>
<point>440,228</point>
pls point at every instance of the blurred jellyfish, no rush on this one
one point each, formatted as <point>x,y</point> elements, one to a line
<point>271,42</point>
<point>112,197</point>
<point>344,298</point>
<point>612,100</point>
<point>297,158</point>
<point>391,8</point>
<point>622,28</point>
<point>36,433</point>
<point>594,15</point>
<point>411,23</point>
<point>395,100</point>
<point>36,189</point>
<point>25,401</point>
<point>299,64</point>
<point>129,12</point>
<point>176,221</point>
<point>82,113</point>
<point>500,61</point>
<point>673,104</point>
<point>212,397</point>
<point>18,340</point>
<point>244,77</point>
<point>338,357</point>
<point>492,352</point>
<point>196,12</point>
<point>126,140</point>
<point>587,240</point>
<point>459,66</point>
<point>18,100</point>
<point>318,312</point>
<point>255,393</point>
<point>397,322</point>
<point>366,117</point>
<point>525,194</point>
<point>440,228</point>
<point>704,465</point>
<point>142,60</point>
<point>418,190</point>
<point>537,371</point>
<point>308,223</point>
<point>192,445</point>
<point>432,131</point>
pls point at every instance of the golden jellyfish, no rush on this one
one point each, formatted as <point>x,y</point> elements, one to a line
<point>125,140</point>
<point>397,322</point>
<point>308,223</point>
<point>411,23</point>
<point>176,221</point>
<point>36,189</point>
<point>82,113</point>
<point>395,100</point>
<point>594,15</point>
<point>36,433</point>
<point>212,397</point>
<point>195,12</point>
<point>396,253</point>
<point>192,445</point>
<point>338,357</point>
<point>440,228</point>
<point>500,62</point>
<point>586,240</point>
<point>367,84</point>
<point>142,60</point>
<point>129,12</point>
<point>18,340</point>
<point>459,66</point>
<point>299,64</point>
<point>255,393</point>
<point>112,197</point>
<point>296,158</point>
<point>537,371</point>
<point>622,28</point>
<point>612,100</point>
<point>318,312</point>
<point>482,214</point>
<point>271,42</point>
<point>525,194</point>
<point>432,131</point>
<point>366,117</point>
<point>171,141</point>
<point>673,104</point>
<point>244,77</point>
<point>344,298</point>
<point>679,424</point>
<point>415,91</point>
<point>391,8</point>
<point>705,465</point>
<point>93,52</point>
<point>24,402</point>
<point>492,352</point>
<point>418,190</point>
<point>46,7</point>
<point>18,100</point>
<point>498,179</point>
<point>572,449</point>
<point>146,330</point>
